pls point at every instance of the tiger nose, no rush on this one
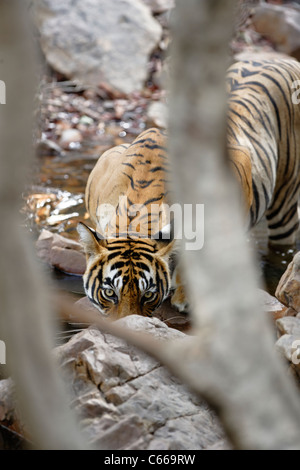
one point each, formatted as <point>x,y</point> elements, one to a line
<point>127,308</point>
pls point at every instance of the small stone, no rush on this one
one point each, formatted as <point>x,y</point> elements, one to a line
<point>70,136</point>
<point>67,260</point>
<point>272,306</point>
<point>289,347</point>
<point>86,120</point>
<point>157,114</point>
<point>47,147</point>
<point>61,252</point>
<point>288,289</point>
<point>289,326</point>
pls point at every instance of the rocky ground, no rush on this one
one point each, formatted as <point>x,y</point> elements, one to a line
<point>91,98</point>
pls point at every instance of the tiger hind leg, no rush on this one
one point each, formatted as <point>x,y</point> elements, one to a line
<point>283,219</point>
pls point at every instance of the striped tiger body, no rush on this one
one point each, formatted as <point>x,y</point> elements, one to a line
<point>129,270</point>
<point>133,274</point>
<point>264,142</point>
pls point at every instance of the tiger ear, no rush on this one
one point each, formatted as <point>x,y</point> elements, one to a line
<point>165,242</point>
<point>91,241</point>
<point>165,248</point>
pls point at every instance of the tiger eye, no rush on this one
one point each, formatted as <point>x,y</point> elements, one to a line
<point>148,295</point>
<point>109,292</point>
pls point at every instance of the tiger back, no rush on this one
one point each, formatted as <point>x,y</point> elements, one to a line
<point>263,138</point>
<point>129,188</point>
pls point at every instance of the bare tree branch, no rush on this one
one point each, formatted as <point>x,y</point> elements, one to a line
<point>25,311</point>
<point>232,362</point>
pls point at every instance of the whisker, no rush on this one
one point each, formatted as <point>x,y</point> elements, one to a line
<point>177,317</point>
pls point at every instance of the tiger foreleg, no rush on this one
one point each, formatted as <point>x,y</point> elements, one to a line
<point>178,297</point>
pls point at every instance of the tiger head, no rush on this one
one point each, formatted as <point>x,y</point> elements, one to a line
<point>126,276</point>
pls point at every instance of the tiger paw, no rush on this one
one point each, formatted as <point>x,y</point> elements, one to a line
<point>179,300</point>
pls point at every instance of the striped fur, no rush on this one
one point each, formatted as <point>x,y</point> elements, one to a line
<point>137,269</point>
<point>134,275</point>
<point>264,131</point>
<point>139,172</point>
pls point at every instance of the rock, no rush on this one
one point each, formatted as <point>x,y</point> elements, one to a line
<point>162,76</point>
<point>290,312</point>
<point>157,114</point>
<point>272,306</point>
<point>7,401</point>
<point>288,344</point>
<point>159,6</point>
<point>280,24</point>
<point>107,42</point>
<point>127,400</point>
<point>60,252</point>
<point>243,10</point>
<point>47,147</point>
<point>288,289</point>
<point>11,428</point>
<point>69,137</point>
<point>256,55</point>
<point>289,326</point>
<point>289,347</point>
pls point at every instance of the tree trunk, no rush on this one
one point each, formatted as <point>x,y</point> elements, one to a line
<point>25,310</point>
<point>232,362</point>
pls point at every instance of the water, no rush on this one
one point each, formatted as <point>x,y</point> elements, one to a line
<point>273,262</point>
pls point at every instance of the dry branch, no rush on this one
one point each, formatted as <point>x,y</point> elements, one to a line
<point>25,312</point>
<point>232,362</point>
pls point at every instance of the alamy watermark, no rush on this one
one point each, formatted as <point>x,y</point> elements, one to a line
<point>2,92</point>
<point>2,352</point>
<point>153,221</point>
<point>296,352</point>
<point>296,94</point>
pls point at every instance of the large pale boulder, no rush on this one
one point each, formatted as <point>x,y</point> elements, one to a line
<point>99,42</point>
<point>127,400</point>
<point>281,24</point>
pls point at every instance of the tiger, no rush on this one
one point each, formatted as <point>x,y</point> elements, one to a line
<point>130,258</point>
<point>130,271</point>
